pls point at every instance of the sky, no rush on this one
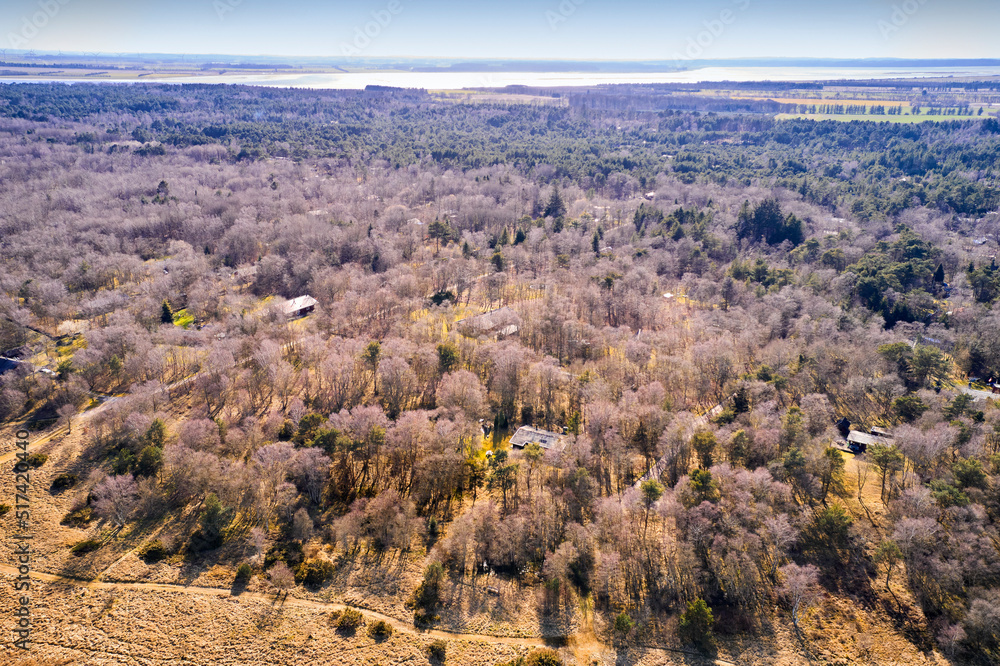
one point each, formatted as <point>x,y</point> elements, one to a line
<point>522,29</point>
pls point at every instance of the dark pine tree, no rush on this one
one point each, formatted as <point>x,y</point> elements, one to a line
<point>555,207</point>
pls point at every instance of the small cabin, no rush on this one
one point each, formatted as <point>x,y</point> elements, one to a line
<point>299,307</point>
<point>550,441</point>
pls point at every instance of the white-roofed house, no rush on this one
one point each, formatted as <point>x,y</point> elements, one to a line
<point>299,307</point>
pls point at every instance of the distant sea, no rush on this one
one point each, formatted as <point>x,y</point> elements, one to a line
<point>457,80</point>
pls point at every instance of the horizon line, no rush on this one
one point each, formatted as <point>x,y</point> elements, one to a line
<point>42,53</point>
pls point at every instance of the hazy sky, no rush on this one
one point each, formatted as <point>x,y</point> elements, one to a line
<point>564,29</point>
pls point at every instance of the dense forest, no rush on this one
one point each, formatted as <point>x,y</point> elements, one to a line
<point>671,281</point>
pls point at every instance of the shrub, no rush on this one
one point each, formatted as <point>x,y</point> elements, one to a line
<point>150,461</point>
<point>289,552</point>
<point>78,517</point>
<point>380,630</point>
<point>314,572</point>
<point>4,508</point>
<point>828,535</point>
<point>349,620</point>
<point>623,624</point>
<point>428,593</point>
<point>438,650</point>
<point>281,577</point>
<point>153,551</point>
<point>543,657</point>
<point>64,481</point>
<point>85,546</point>
<point>243,573</point>
<point>37,459</point>
<point>214,520</point>
<point>725,417</point>
<point>696,623</point>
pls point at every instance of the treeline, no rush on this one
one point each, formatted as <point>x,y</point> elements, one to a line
<point>575,143</point>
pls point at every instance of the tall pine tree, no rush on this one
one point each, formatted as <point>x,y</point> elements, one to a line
<point>555,207</point>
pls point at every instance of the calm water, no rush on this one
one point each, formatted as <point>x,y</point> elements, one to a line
<point>455,80</point>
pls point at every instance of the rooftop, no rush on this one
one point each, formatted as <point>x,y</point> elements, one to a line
<point>501,322</point>
<point>547,440</point>
<point>299,304</point>
<point>867,439</point>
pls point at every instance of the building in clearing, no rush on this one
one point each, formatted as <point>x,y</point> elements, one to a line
<point>495,324</point>
<point>299,307</point>
<point>525,435</point>
<point>858,442</point>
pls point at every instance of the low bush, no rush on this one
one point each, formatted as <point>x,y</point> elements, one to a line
<point>243,573</point>
<point>36,460</point>
<point>314,572</point>
<point>153,551</point>
<point>64,481</point>
<point>438,650</point>
<point>543,657</point>
<point>78,517</point>
<point>289,552</point>
<point>349,621</point>
<point>4,508</point>
<point>380,630</point>
<point>85,546</point>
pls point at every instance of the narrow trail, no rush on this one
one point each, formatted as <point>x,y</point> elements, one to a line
<point>270,599</point>
<point>35,442</point>
<point>297,602</point>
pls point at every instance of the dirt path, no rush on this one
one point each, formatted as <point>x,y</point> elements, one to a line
<point>32,444</point>
<point>78,420</point>
<point>270,598</point>
<point>588,643</point>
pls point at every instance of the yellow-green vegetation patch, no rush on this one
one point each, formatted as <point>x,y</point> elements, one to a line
<point>183,319</point>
